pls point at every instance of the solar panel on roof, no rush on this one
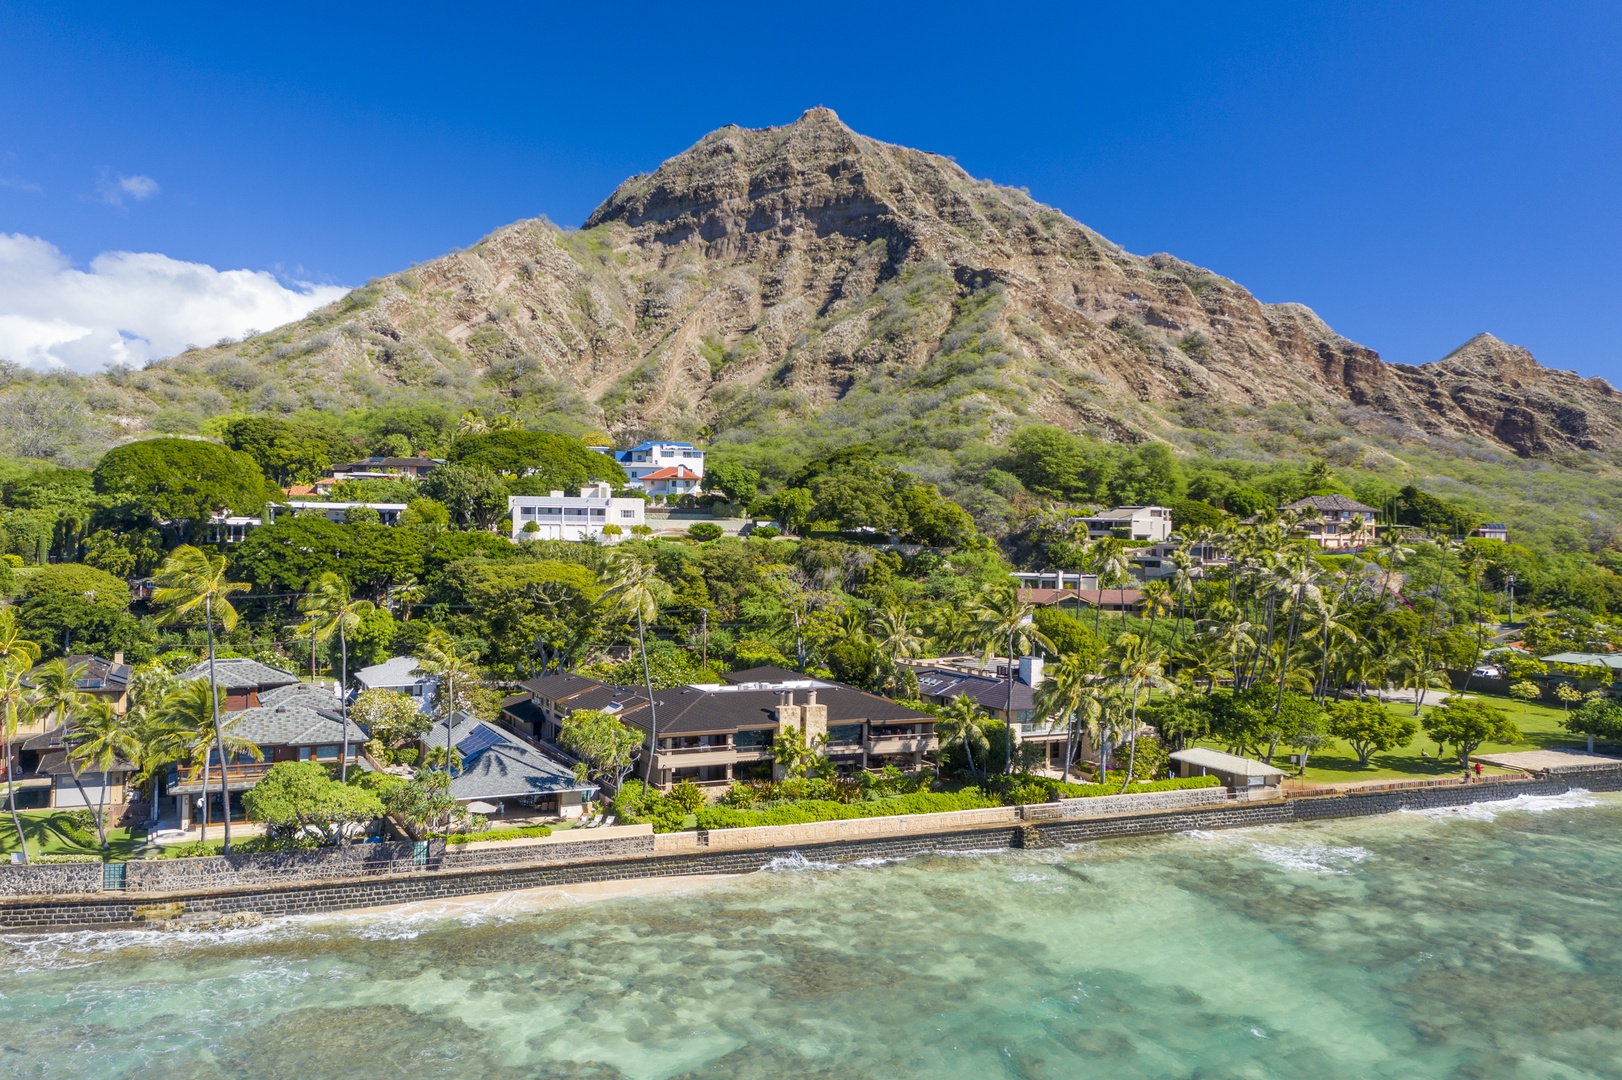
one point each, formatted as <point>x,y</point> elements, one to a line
<point>480,740</point>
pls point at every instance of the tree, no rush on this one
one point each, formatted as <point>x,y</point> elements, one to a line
<point>738,482</point>
<point>1568,695</point>
<point>475,495</point>
<point>551,462</point>
<point>791,507</point>
<point>798,756</point>
<point>1598,718</point>
<point>962,723</point>
<point>296,798</point>
<point>1134,666</point>
<point>1066,698</point>
<point>443,657</point>
<point>424,803</point>
<point>17,655</point>
<point>178,728</point>
<point>330,609</point>
<point>180,482</point>
<point>285,451</point>
<point>1465,725</point>
<point>603,742</point>
<point>1002,620</point>
<point>704,531</point>
<point>68,604</point>
<point>192,583</point>
<point>57,697</point>
<point>392,718</point>
<point>100,738</point>
<point>1525,690</point>
<point>1368,727</point>
<point>633,589</point>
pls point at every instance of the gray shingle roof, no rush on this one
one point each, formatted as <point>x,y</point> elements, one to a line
<point>985,691</point>
<point>297,715</point>
<point>99,674</point>
<point>1330,502</point>
<point>510,769</point>
<point>240,673</point>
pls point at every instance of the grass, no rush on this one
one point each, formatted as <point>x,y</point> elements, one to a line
<point>1539,725</point>
<point>48,833</point>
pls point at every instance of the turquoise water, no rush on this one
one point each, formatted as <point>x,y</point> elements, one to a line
<point>1485,942</point>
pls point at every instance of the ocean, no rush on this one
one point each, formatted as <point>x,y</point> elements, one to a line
<point>1483,941</point>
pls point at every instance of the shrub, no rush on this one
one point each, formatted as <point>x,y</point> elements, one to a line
<point>1526,690</point>
<point>810,810</point>
<point>528,833</point>
<point>688,796</point>
<point>765,532</point>
<point>704,531</point>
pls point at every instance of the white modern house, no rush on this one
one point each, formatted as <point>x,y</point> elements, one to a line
<point>1152,523</point>
<point>399,673</point>
<point>645,459</point>
<point>574,517</point>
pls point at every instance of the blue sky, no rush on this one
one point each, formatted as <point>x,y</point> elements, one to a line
<point>1415,173</point>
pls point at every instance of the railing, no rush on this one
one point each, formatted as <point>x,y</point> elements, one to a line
<point>244,773</point>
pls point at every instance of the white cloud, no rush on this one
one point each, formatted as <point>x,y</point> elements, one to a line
<point>130,307</point>
<point>112,192</point>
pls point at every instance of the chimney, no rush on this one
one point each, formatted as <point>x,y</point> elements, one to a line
<point>555,494</point>
<point>118,657</point>
<point>1030,670</point>
<point>816,717</point>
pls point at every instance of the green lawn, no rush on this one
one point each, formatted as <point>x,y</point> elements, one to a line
<point>1539,725</point>
<point>49,833</point>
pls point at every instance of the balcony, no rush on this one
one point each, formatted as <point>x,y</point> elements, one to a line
<point>903,744</point>
<point>237,778</point>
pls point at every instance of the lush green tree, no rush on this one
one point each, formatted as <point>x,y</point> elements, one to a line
<point>1050,461</point>
<point>737,481</point>
<point>390,717</point>
<point>1415,507</point>
<point>606,746</point>
<point>550,461</point>
<point>1368,727</point>
<point>1525,690</point>
<point>475,495</point>
<point>423,805</point>
<point>1149,475</point>
<point>69,606</point>
<point>797,756</point>
<point>792,507</point>
<point>1598,718</point>
<point>1244,502</point>
<point>285,451</point>
<point>1465,725</point>
<point>538,614</point>
<point>962,723</point>
<point>17,655</point>
<point>296,799</point>
<point>181,482</point>
<point>282,557</point>
<point>703,531</point>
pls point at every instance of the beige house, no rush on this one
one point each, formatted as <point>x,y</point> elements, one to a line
<point>1335,522</point>
<point>1152,523</point>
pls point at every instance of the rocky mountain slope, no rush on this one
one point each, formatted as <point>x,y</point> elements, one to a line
<point>807,279</point>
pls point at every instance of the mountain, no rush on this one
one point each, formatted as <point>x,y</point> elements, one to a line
<point>809,285</point>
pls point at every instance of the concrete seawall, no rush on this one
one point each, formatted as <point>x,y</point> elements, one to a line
<point>731,852</point>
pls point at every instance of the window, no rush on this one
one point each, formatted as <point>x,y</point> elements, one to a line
<point>599,513</point>
<point>627,513</point>
<point>753,739</point>
<point>845,734</point>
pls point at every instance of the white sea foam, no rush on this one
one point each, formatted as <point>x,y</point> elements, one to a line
<point>1311,858</point>
<point>1576,798</point>
<point>84,948</point>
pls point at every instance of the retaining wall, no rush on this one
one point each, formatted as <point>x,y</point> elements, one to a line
<point>35,879</point>
<point>216,871</point>
<point>679,854</point>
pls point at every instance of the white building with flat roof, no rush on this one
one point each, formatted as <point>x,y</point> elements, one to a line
<point>574,517</point>
<point>681,462</point>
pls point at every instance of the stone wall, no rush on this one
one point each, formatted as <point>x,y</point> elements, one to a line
<point>49,879</point>
<point>515,852</point>
<point>680,854</point>
<point>1111,805</point>
<point>221,871</point>
<point>823,832</point>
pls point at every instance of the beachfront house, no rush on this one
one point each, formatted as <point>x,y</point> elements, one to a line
<point>715,733</point>
<point>292,722</point>
<point>500,769</point>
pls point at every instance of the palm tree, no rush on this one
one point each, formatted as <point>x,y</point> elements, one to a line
<point>407,595</point>
<point>1067,697</point>
<point>102,737</point>
<point>999,614</point>
<point>442,657</point>
<point>179,729</point>
<point>894,633</point>
<point>1107,557</point>
<point>188,581</point>
<point>1135,666</point>
<point>963,722</point>
<point>1157,600</point>
<point>330,608</point>
<point>1392,551</point>
<point>636,589</point>
<point>57,696</point>
<point>15,710</point>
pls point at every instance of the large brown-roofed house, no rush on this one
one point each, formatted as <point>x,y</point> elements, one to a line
<point>714,733</point>
<point>1335,522</point>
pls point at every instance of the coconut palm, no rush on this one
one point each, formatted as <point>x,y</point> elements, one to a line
<point>330,609</point>
<point>442,657</point>
<point>190,582</point>
<point>1068,698</point>
<point>406,595</point>
<point>1107,558</point>
<point>1000,616</point>
<point>16,709</point>
<point>1156,599</point>
<point>1135,666</point>
<point>101,737</point>
<point>179,728</point>
<point>633,588</point>
<point>57,697</point>
<point>963,722</point>
<point>894,632</point>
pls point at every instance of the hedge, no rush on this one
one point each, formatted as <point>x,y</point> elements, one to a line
<point>1141,787</point>
<point>529,832</point>
<point>810,810</point>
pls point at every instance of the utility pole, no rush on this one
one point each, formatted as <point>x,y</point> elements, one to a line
<point>1509,586</point>
<point>704,660</point>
